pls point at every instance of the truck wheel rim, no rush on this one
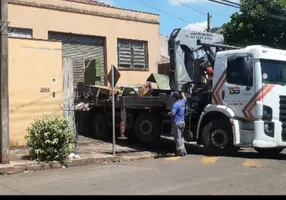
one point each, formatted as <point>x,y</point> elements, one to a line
<point>146,127</point>
<point>219,138</point>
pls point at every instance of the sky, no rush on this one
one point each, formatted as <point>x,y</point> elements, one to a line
<point>175,15</point>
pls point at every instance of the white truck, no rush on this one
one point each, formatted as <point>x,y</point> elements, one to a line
<point>248,104</point>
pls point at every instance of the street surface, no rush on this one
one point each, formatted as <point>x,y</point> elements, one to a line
<point>190,175</point>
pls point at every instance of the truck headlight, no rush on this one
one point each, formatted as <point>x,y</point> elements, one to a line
<point>269,129</point>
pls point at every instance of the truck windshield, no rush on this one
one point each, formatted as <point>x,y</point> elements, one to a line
<point>273,72</point>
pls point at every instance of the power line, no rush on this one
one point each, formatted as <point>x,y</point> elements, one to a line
<point>220,3</point>
<point>265,14</point>
<point>161,11</point>
<point>231,2</point>
<point>166,13</point>
<point>224,3</point>
<point>235,5</point>
<point>205,9</point>
<point>198,11</point>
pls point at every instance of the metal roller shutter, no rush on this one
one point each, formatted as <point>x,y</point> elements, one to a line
<point>80,49</point>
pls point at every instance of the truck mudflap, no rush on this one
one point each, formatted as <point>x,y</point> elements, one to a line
<point>235,129</point>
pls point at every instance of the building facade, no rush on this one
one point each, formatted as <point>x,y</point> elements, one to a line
<point>92,31</point>
<point>92,34</point>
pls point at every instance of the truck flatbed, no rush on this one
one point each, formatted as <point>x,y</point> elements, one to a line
<point>100,97</point>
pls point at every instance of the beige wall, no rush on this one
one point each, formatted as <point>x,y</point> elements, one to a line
<point>44,20</point>
<point>32,66</point>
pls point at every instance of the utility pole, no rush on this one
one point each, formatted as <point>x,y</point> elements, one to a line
<point>209,22</point>
<point>4,97</point>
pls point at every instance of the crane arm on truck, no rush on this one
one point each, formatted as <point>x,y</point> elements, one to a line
<point>184,50</point>
<point>207,47</point>
<point>185,47</point>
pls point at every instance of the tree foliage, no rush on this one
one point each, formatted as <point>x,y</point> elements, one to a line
<point>258,22</point>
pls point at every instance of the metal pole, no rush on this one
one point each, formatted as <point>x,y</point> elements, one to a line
<point>4,99</point>
<point>208,22</point>
<point>113,110</point>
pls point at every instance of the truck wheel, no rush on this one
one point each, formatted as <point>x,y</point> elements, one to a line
<point>100,127</point>
<point>217,137</point>
<point>147,128</point>
<point>269,152</point>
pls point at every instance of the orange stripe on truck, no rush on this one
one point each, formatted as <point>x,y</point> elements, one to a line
<point>217,88</point>
<point>258,96</point>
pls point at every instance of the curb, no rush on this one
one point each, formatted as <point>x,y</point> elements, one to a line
<point>9,170</point>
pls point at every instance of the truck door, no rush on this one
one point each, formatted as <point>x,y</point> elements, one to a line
<point>238,90</point>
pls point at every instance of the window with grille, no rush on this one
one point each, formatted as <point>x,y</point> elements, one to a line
<point>132,54</point>
<point>20,32</point>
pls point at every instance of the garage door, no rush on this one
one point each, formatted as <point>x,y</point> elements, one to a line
<point>83,50</point>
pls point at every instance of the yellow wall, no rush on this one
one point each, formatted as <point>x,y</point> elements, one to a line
<point>44,20</point>
<point>32,66</point>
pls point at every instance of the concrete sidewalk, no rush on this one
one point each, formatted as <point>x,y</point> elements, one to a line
<point>91,151</point>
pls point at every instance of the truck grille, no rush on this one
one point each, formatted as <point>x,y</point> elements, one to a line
<point>282,115</point>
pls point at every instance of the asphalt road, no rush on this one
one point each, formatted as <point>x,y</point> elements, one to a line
<point>191,175</point>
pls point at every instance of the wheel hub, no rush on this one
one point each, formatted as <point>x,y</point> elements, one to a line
<point>146,127</point>
<point>219,138</point>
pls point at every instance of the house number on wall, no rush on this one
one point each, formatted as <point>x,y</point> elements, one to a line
<point>44,89</point>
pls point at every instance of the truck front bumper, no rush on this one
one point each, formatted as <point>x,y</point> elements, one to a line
<point>268,134</point>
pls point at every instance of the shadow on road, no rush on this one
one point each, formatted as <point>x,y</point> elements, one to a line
<point>166,148</point>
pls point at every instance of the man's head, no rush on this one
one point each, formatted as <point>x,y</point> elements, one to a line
<point>210,71</point>
<point>176,96</point>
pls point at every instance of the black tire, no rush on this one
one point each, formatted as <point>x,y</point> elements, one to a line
<point>100,127</point>
<point>217,138</point>
<point>147,129</point>
<point>269,152</point>
<point>129,133</point>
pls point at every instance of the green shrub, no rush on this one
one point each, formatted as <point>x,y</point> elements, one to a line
<point>50,139</point>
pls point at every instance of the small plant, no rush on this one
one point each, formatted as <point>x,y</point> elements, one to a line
<point>50,139</point>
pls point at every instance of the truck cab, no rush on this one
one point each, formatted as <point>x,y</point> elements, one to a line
<point>249,90</point>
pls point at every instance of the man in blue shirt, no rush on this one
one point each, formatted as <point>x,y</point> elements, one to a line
<point>178,122</point>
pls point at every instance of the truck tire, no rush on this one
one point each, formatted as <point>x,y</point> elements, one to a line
<point>217,138</point>
<point>269,152</point>
<point>99,127</point>
<point>147,129</point>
